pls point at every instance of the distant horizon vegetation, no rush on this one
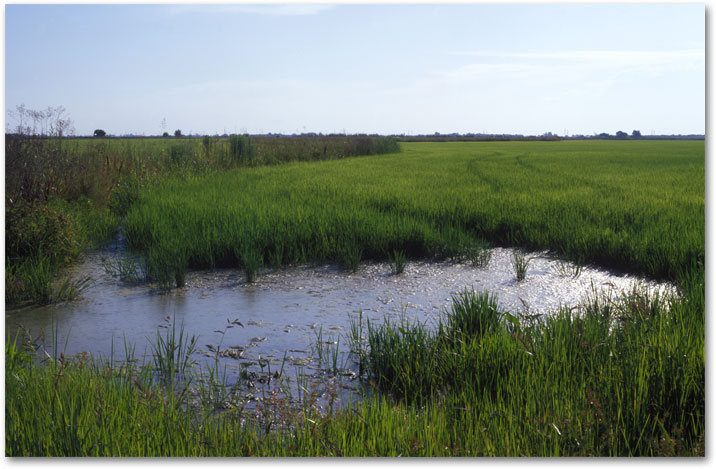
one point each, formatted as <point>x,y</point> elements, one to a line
<point>53,122</point>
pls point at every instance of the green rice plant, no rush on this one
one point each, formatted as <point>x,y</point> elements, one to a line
<point>351,256</point>
<point>520,263</point>
<point>569,268</point>
<point>357,342</point>
<point>479,254</point>
<point>471,314</point>
<point>404,360</point>
<point>276,256</point>
<point>124,267</point>
<point>252,261</point>
<point>397,260</point>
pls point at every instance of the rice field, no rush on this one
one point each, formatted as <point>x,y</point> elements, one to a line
<point>633,206</point>
<point>622,377</point>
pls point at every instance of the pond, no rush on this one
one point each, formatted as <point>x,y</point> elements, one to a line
<point>291,318</point>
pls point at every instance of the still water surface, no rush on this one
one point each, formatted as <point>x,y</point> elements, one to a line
<point>285,312</point>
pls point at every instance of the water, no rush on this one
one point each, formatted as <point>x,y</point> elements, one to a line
<point>286,314</point>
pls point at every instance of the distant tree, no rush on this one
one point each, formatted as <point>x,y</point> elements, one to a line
<point>604,135</point>
<point>177,133</point>
<point>621,134</point>
<point>165,134</point>
<point>100,133</point>
<point>635,134</point>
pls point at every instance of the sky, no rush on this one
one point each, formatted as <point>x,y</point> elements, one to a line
<point>361,68</point>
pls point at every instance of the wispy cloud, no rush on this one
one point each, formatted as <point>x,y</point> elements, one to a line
<point>566,66</point>
<point>598,56</point>
<point>283,9</point>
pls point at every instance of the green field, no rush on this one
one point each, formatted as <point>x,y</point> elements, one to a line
<point>618,378</point>
<point>634,206</point>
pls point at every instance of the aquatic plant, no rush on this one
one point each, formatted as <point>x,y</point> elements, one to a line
<point>172,354</point>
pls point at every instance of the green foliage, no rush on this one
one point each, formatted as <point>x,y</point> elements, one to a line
<point>43,228</point>
<point>172,355</point>
<point>472,315</point>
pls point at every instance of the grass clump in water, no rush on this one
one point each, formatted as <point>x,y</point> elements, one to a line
<point>520,263</point>
<point>252,260</point>
<point>351,256</point>
<point>479,254</point>
<point>397,260</point>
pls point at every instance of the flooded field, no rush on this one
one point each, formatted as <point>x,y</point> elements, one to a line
<point>297,319</point>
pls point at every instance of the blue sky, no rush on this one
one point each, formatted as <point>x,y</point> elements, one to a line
<point>520,68</point>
